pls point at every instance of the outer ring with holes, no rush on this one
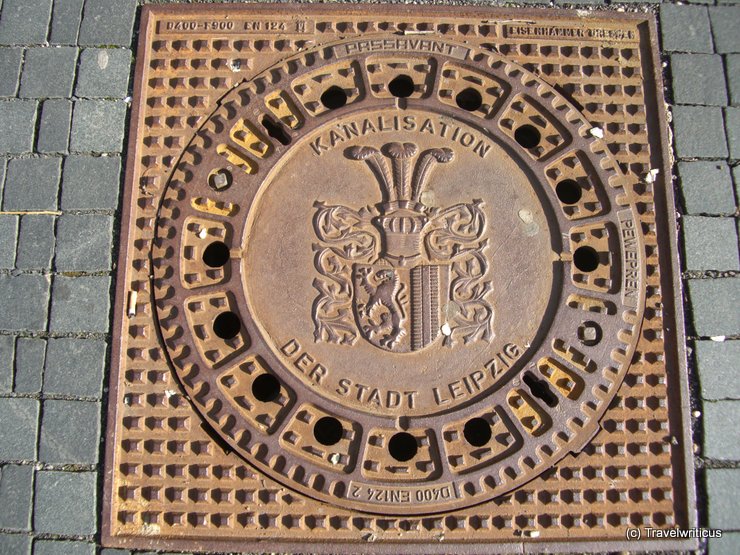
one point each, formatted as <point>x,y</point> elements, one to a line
<point>274,434</point>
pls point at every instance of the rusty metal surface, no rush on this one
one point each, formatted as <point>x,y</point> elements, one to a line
<point>395,278</point>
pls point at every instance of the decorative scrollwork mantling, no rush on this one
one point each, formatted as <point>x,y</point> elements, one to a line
<point>474,318</point>
<point>347,236</point>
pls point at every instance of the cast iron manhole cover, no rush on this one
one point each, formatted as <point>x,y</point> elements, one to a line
<point>396,278</point>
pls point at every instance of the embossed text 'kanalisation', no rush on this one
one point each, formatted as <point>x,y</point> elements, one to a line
<point>344,132</point>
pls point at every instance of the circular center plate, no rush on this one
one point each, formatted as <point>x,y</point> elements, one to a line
<point>398,277</point>
<point>398,316</point>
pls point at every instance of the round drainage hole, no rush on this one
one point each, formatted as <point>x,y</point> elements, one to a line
<point>216,254</point>
<point>227,325</point>
<point>334,97</point>
<point>527,136</point>
<point>477,432</point>
<point>266,388</point>
<point>220,180</point>
<point>586,259</point>
<point>469,99</point>
<point>401,86</point>
<point>589,333</point>
<point>568,191</point>
<point>328,430</point>
<point>403,446</point>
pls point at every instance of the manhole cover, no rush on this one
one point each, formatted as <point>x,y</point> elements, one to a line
<point>396,278</point>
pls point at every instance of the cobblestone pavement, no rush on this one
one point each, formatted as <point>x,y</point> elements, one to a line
<point>65,86</point>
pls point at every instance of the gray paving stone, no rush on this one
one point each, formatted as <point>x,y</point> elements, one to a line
<point>732,125</point>
<point>7,348</point>
<point>728,544</point>
<point>724,503</point>
<point>736,181</point>
<point>3,163</point>
<point>706,187</point>
<point>732,63</point>
<point>107,24</point>
<point>98,126</point>
<point>685,28</point>
<point>714,305</point>
<point>32,184</point>
<point>18,432</point>
<point>721,432</point>
<point>710,243</point>
<point>698,79</point>
<point>29,364</point>
<point>56,493</point>
<point>23,302</point>
<point>10,70</point>
<point>84,242</point>
<point>699,132</point>
<point>15,544</point>
<point>16,491</point>
<point>8,238</point>
<point>70,432</point>
<point>110,551</point>
<point>48,72</point>
<point>61,547</point>
<point>36,242</point>
<point>75,367</point>
<point>24,22</point>
<point>80,304</point>
<point>718,363</point>
<point>103,73</point>
<point>725,25</point>
<point>91,182</point>
<point>18,122</point>
<point>65,21</point>
<point>56,120</point>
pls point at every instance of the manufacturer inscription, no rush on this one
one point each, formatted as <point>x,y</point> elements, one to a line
<point>569,33</point>
<point>631,262</point>
<point>403,44</point>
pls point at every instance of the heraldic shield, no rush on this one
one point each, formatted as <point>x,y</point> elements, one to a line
<point>399,309</point>
<point>400,274</point>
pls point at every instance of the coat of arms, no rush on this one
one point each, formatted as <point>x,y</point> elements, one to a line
<point>399,273</point>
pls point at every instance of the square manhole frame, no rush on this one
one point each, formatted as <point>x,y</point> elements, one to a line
<point>682,462</point>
